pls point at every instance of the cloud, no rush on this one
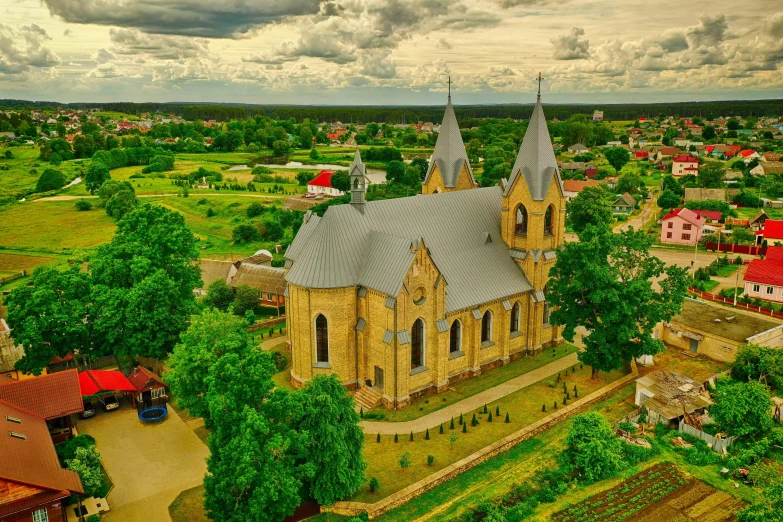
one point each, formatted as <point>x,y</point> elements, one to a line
<point>102,56</point>
<point>105,70</point>
<point>378,64</point>
<point>205,18</point>
<point>570,46</point>
<point>22,49</point>
<point>67,33</point>
<point>443,44</point>
<point>132,42</point>
<point>501,70</point>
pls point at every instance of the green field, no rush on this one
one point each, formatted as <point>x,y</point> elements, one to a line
<point>25,168</point>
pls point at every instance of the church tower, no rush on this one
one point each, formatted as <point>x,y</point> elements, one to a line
<point>449,168</point>
<point>358,175</point>
<point>533,218</point>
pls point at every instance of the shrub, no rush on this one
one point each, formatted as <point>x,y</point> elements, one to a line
<point>411,439</point>
<point>244,234</point>
<point>210,212</point>
<point>378,438</point>
<point>464,428</point>
<point>426,434</point>
<point>430,459</point>
<point>374,485</point>
<point>396,439</point>
<point>405,461</point>
<point>474,421</point>
<point>441,429</point>
<point>51,179</point>
<point>254,209</point>
<point>508,419</point>
<point>83,205</point>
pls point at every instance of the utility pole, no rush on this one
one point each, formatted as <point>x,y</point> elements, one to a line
<point>736,285</point>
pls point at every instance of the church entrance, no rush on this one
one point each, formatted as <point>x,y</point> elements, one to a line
<point>378,377</point>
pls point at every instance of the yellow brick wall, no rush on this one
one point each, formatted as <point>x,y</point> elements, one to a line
<point>535,238</point>
<point>435,184</point>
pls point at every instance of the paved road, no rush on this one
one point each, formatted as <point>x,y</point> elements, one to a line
<point>471,403</point>
<point>149,464</point>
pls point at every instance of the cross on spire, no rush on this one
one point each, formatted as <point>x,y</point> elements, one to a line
<point>449,82</point>
<point>539,79</point>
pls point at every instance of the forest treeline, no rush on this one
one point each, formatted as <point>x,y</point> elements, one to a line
<point>413,114</point>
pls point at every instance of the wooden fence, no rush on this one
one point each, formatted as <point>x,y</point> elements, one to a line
<point>717,445</point>
<point>737,249</point>
<point>730,302</point>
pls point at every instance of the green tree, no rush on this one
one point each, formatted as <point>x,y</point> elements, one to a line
<point>670,183</point>
<point>305,138</point>
<point>629,182</point>
<point>86,462</point>
<point>712,174</point>
<point>742,408</point>
<point>281,148</point>
<point>254,209</point>
<point>97,174</point>
<point>142,284</point>
<point>708,133</point>
<point>48,317</point>
<point>733,124</point>
<point>768,509</point>
<point>219,295</point>
<point>758,363</point>
<point>593,450</point>
<point>604,283</point>
<point>272,230</point>
<point>303,178</point>
<point>51,179</point>
<point>335,440</point>
<point>395,171</point>
<point>244,233</point>
<point>405,461</point>
<point>668,199</point>
<point>742,236</point>
<point>589,208</point>
<point>617,157</point>
<point>246,298</point>
<point>341,181</point>
<point>121,203</point>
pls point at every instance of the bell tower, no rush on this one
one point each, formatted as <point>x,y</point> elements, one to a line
<point>358,175</point>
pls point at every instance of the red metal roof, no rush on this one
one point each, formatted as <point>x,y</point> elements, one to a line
<point>48,396</point>
<point>766,271</point>
<point>143,379</point>
<point>774,253</point>
<point>747,152</point>
<point>641,154</point>
<point>712,215</point>
<point>773,229</point>
<point>323,179</point>
<point>104,380</point>
<point>685,159</point>
<point>685,213</point>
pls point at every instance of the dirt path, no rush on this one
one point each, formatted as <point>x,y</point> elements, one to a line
<point>72,198</point>
<point>471,403</point>
<point>639,221</point>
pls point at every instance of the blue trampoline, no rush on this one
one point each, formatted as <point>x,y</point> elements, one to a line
<point>154,413</point>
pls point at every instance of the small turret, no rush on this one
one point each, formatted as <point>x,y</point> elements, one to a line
<point>358,174</point>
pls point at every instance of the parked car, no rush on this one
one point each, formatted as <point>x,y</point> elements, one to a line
<point>319,197</point>
<point>110,403</point>
<point>89,410</point>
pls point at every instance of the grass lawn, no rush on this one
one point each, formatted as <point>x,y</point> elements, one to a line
<point>710,285</point>
<point>281,378</point>
<point>189,506</point>
<point>25,168</point>
<point>726,270</point>
<point>463,389</point>
<point>523,407</point>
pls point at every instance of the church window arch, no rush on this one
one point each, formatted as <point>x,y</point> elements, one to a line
<point>417,344</point>
<point>548,217</point>
<point>516,312</point>
<point>455,337</point>
<point>321,339</point>
<point>486,327</point>
<point>521,224</point>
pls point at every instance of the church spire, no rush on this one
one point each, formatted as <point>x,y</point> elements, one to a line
<point>449,155</point>
<point>536,161</point>
<point>357,173</point>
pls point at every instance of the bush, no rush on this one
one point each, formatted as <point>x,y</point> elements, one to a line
<point>261,170</point>
<point>430,459</point>
<point>374,484</point>
<point>51,179</point>
<point>83,205</point>
<point>254,209</point>
<point>67,450</point>
<point>244,234</point>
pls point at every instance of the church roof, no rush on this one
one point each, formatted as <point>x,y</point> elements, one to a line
<point>374,247</point>
<point>536,160</point>
<point>357,164</point>
<point>449,154</point>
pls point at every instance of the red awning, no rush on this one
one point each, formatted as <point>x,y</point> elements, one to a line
<point>94,381</point>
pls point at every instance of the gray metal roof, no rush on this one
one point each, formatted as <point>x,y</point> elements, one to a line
<point>550,254</point>
<point>391,302</point>
<point>357,166</point>
<point>403,336</point>
<point>449,154</point>
<point>372,247</point>
<point>536,161</point>
<point>362,292</point>
<point>517,254</point>
<point>309,223</point>
<point>360,324</point>
<point>506,304</point>
<point>476,313</point>
<point>443,325</point>
<point>388,336</point>
<point>538,296</point>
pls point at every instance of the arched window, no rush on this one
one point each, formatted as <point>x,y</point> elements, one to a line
<point>548,221</point>
<point>455,337</point>
<point>515,313</point>
<point>321,339</point>
<point>486,327</point>
<point>417,344</point>
<point>521,228</point>
<point>356,183</point>
<point>547,310</point>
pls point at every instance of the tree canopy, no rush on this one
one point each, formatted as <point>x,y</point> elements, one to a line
<point>589,208</point>
<point>617,157</point>
<point>593,450</point>
<point>742,408</point>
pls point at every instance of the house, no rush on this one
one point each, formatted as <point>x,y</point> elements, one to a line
<point>322,184</point>
<point>150,389</point>
<point>710,216</point>
<point>573,187</point>
<point>772,232</point>
<point>33,485</point>
<point>764,278</point>
<point>772,156</point>
<point>623,205</point>
<point>700,194</point>
<point>268,280</point>
<point>7,135</point>
<point>748,155</point>
<point>757,222</point>
<point>213,270</point>
<point>684,165</point>
<point>577,148</point>
<point>667,396</point>
<point>765,168</point>
<point>667,152</point>
<point>401,298</point>
<point>716,331</point>
<point>641,155</point>
<point>572,165</point>
<point>598,115</point>
<point>591,171</point>
<point>682,226</point>
<point>53,397</point>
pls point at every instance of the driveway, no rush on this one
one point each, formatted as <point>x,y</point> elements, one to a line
<point>149,464</point>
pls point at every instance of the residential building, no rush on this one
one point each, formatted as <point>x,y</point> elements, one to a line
<point>667,152</point>
<point>772,232</point>
<point>573,187</point>
<point>766,168</point>
<point>577,148</point>
<point>598,115</point>
<point>764,278</point>
<point>682,226</point>
<point>684,165</point>
<point>33,485</point>
<point>401,297</point>
<point>322,184</point>
<point>268,280</point>
<point>623,205</point>
<point>717,331</point>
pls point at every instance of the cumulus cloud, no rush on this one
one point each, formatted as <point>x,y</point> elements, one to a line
<point>443,44</point>
<point>106,70</point>
<point>102,56</point>
<point>23,48</point>
<point>206,18</point>
<point>161,47</point>
<point>378,64</point>
<point>570,46</point>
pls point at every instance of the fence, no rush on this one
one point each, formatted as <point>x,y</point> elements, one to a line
<point>718,445</point>
<point>12,277</point>
<point>730,302</point>
<point>737,249</point>
<point>265,324</point>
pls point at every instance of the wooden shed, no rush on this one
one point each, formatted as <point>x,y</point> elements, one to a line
<point>150,389</point>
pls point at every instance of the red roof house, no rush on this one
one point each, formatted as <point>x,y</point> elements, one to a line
<point>749,153</point>
<point>764,278</point>
<point>682,226</point>
<point>322,184</point>
<point>149,387</point>
<point>773,230</point>
<point>710,215</point>
<point>641,154</point>
<point>49,396</point>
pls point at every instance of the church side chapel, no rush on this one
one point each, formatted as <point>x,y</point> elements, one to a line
<point>401,297</point>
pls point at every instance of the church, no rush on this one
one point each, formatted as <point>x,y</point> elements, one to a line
<point>399,298</point>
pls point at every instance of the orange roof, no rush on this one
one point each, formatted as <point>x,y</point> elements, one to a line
<point>48,396</point>
<point>572,185</point>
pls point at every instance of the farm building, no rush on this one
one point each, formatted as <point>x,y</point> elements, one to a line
<point>667,396</point>
<point>322,184</point>
<point>268,280</point>
<point>213,270</point>
<point>716,331</point>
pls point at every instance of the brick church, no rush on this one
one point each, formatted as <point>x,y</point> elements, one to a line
<point>401,297</point>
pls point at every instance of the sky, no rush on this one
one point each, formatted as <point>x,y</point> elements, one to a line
<point>390,52</point>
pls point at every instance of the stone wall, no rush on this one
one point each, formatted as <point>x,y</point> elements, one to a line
<point>401,497</point>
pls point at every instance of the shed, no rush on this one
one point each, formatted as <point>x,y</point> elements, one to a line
<point>92,382</point>
<point>668,395</point>
<point>150,389</point>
